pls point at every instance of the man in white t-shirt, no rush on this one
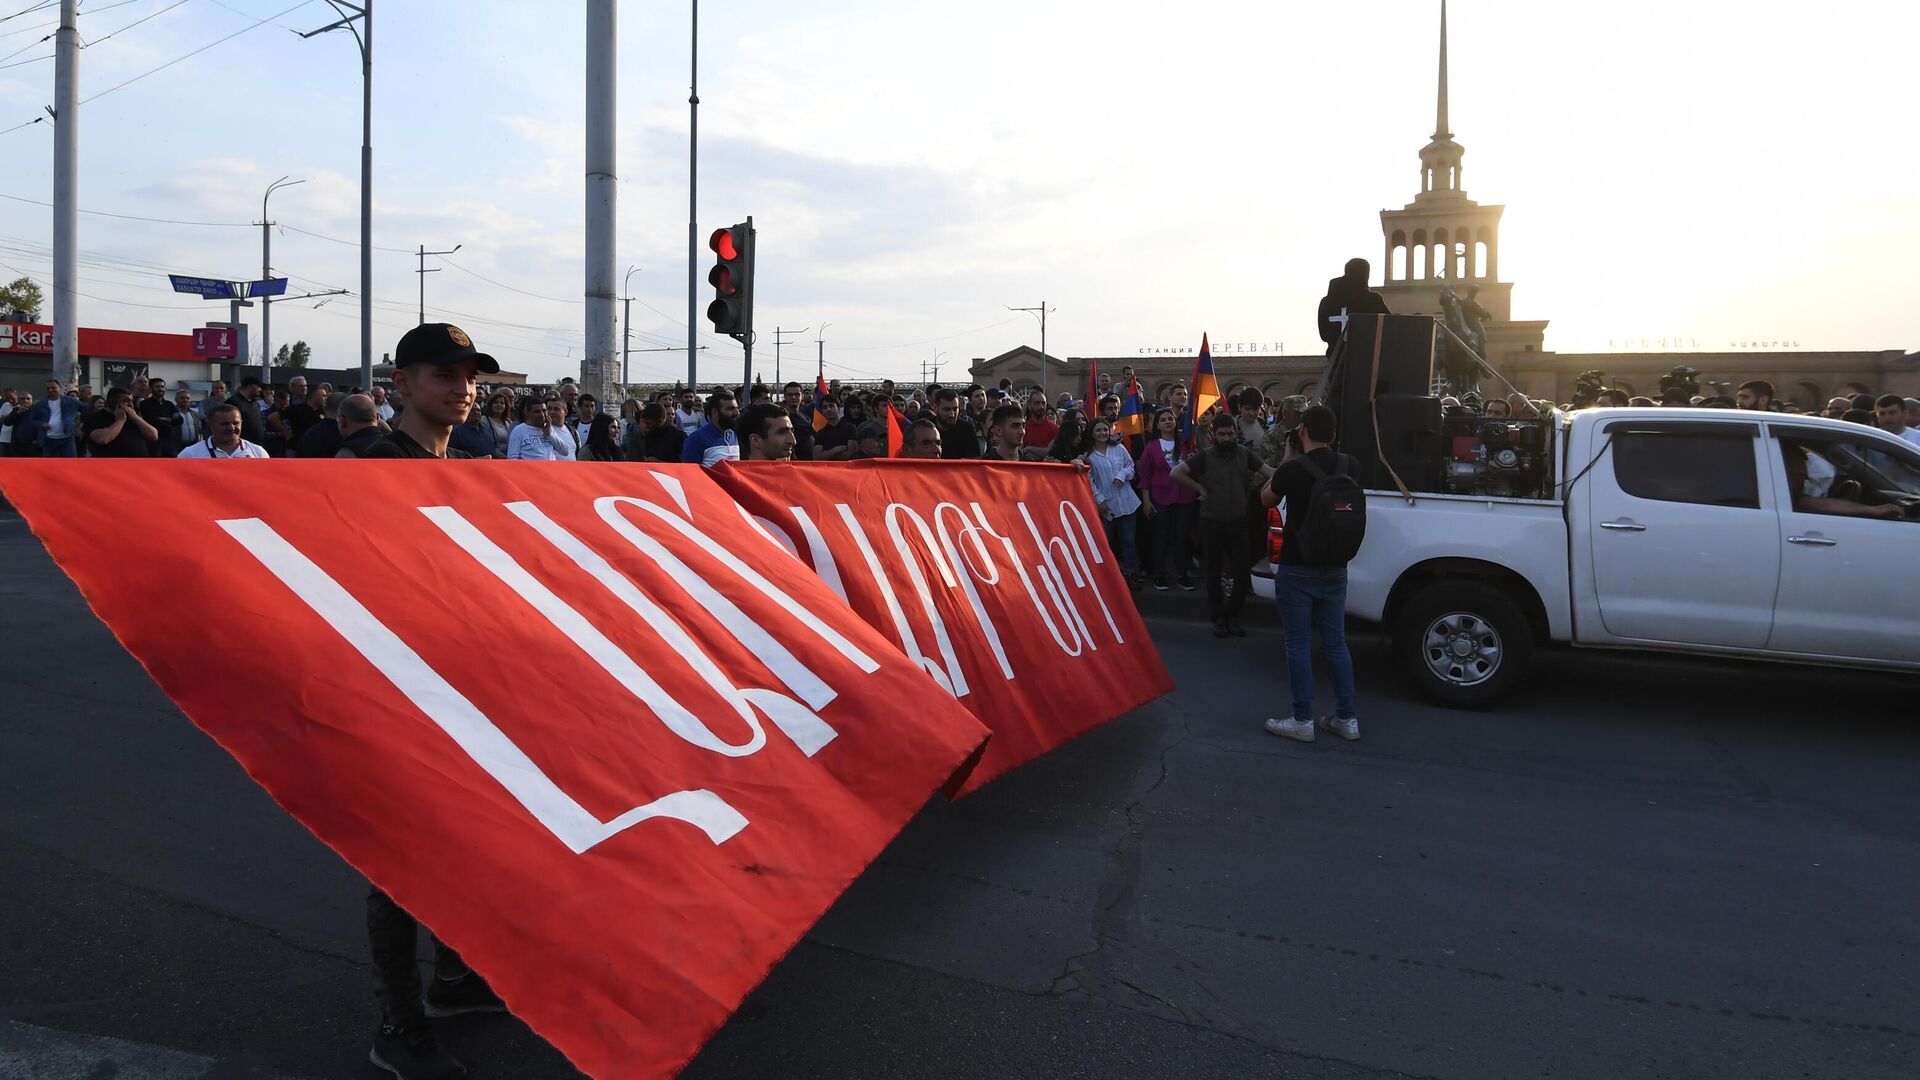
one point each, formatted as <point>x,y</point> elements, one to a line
<point>380,406</point>
<point>1891,412</point>
<point>566,447</point>
<point>223,437</point>
<point>688,415</point>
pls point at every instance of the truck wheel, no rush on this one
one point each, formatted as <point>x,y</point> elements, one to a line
<point>1463,644</point>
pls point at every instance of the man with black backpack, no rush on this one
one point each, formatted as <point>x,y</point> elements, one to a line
<point>1325,522</point>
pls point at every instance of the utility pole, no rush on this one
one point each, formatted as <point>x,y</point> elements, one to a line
<point>266,271</point>
<point>626,332</point>
<point>776,351</point>
<point>1042,310</point>
<point>423,272</point>
<point>693,195</point>
<point>821,341</point>
<point>602,210</point>
<point>241,350</point>
<point>66,224</point>
<point>363,35</point>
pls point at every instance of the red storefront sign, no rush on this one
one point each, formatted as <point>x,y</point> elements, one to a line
<point>118,344</point>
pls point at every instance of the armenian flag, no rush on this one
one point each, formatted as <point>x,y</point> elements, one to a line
<point>1206,388</point>
<point>819,395</point>
<point>1091,407</point>
<point>1133,416</point>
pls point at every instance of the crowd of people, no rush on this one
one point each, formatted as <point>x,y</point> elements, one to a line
<point>144,419</point>
<point>1898,416</point>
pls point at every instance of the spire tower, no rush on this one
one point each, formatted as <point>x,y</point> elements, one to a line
<point>1440,129</point>
<point>1442,238</point>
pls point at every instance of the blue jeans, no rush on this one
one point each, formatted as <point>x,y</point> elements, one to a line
<point>60,447</point>
<point>1313,600</point>
<point>1120,532</point>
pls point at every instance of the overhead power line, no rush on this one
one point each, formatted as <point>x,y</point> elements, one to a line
<point>28,10</point>
<point>110,35</point>
<point>504,285</point>
<point>190,55</point>
<point>337,240</point>
<point>137,217</point>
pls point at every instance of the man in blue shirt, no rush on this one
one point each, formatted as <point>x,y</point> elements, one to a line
<point>715,441</point>
<point>55,421</point>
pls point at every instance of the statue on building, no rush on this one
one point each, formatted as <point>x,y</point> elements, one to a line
<point>1348,295</point>
<point>1463,352</point>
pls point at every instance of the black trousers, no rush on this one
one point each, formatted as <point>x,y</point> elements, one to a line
<point>393,937</point>
<point>1223,548</point>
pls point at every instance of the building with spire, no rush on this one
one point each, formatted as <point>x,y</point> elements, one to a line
<point>1443,237</point>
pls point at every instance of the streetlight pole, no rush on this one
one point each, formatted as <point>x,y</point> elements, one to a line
<point>693,193</point>
<point>266,271</point>
<point>423,272</point>
<point>821,341</point>
<point>363,35</point>
<point>626,331</point>
<point>1042,311</point>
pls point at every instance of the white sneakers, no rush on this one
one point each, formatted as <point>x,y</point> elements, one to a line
<point>1291,729</point>
<point>1348,728</point>
<point>1303,730</point>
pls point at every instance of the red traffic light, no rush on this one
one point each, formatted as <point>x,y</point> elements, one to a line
<point>732,280</point>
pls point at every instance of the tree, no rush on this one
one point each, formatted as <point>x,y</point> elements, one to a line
<point>283,358</point>
<point>23,297</point>
<point>297,355</point>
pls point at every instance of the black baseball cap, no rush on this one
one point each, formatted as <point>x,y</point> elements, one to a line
<point>440,343</point>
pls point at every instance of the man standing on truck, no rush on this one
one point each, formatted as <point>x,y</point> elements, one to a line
<point>1348,295</point>
<point>1310,592</point>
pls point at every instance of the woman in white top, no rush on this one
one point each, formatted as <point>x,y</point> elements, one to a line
<point>1111,470</point>
<point>536,437</point>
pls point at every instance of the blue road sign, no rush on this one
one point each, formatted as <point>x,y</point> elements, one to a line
<point>209,288</point>
<point>276,286</point>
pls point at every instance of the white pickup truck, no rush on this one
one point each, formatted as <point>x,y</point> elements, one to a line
<point>1706,531</point>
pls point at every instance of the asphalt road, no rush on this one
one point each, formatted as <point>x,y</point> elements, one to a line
<point>1647,868</point>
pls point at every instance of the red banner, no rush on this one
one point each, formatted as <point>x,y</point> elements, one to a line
<point>994,578</point>
<point>586,723</point>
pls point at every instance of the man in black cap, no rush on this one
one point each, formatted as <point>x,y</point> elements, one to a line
<point>435,371</point>
<point>1348,295</point>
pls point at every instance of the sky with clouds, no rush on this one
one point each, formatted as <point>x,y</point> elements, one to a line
<point>1677,169</point>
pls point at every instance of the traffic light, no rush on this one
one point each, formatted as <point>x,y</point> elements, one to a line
<point>732,279</point>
